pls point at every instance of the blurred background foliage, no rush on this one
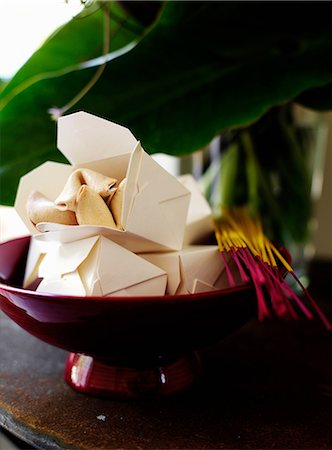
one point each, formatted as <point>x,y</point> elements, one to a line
<point>178,74</point>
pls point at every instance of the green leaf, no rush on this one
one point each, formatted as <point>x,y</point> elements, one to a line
<point>78,41</point>
<point>203,67</point>
<point>179,87</point>
<point>228,175</point>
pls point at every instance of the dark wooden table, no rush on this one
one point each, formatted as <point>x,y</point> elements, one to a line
<point>267,386</point>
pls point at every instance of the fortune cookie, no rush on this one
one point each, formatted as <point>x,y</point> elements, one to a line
<point>115,203</point>
<point>41,209</point>
<point>91,209</point>
<point>101,184</point>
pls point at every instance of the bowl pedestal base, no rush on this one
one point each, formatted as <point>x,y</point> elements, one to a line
<point>108,379</point>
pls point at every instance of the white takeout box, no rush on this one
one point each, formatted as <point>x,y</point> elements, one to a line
<point>199,224</point>
<point>194,269</point>
<point>155,203</point>
<point>97,267</point>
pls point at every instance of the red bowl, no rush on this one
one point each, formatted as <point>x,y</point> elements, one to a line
<point>123,345</point>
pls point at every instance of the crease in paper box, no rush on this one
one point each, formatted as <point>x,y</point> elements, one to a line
<point>37,252</point>
<point>199,224</point>
<point>196,268</point>
<point>64,234</point>
<point>155,204</point>
<point>98,267</point>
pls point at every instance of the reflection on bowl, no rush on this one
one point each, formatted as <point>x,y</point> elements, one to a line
<point>120,341</point>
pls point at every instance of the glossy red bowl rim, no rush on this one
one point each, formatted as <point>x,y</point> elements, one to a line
<point>167,298</point>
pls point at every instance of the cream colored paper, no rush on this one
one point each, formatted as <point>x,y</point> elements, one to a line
<point>155,204</point>
<point>196,268</point>
<point>199,224</point>
<point>98,267</point>
<point>11,225</point>
<point>48,179</point>
<point>37,252</point>
<point>60,233</point>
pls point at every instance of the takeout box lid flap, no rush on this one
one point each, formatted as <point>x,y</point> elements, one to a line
<point>70,284</point>
<point>48,179</point>
<point>111,269</point>
<point>119,268</point>
<point>170,262</point>
<point>203,263</point>
<point>66,258</point>
<point>152,287</point>
<point>199,206</point>
<point>199,224</point>
<point>190,268</point>
<point>63,234</point>
<point>162,198</point>
<point>84,137</point>
<point>37,250</point>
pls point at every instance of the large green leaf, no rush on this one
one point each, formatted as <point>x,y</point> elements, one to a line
<point>203,67</point>
<point>207,66</point>
<point>78,41</point>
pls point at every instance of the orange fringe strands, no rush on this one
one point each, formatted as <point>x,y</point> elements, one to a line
<point>241,237</point>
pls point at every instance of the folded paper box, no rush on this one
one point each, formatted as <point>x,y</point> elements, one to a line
<point>159,213</point>
<point>199,223</point>
<point>155,204</point>
<point>194,269</point>
<point>94,266</point>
